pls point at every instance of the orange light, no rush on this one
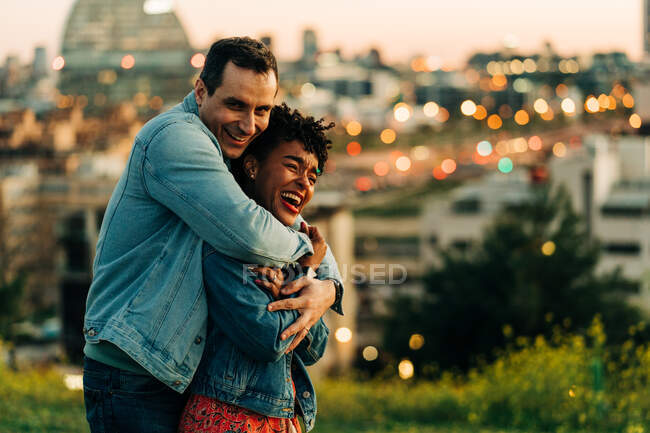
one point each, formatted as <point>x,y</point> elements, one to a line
<point>540,105</point>
<point>591,105</point>
<point>494,121</point>
<point>448,166</point>
<point>353,128</point>
<point>468,107</point>
<point>127,62</point>
<point>381,168</point>
<point>387,136</point>
<point>499,81</point>
<point>548,115</point>
<point>535,143</point>
<point>481,112</point>
<point>443,115</point>
<point>363,183</point>
<point>198,60</point>
<point>353,148</point>
<point>562,90</point>
<point>603,101</point>
<point>635,121</point>
<point>612,103</point>
<point>156,103</point>
<point>628,100</point>
<point>439,174</point>
<point>58,63</point>
<point>522,117</point>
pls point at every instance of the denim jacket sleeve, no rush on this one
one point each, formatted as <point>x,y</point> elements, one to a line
<point>312,347</point>
<point>328,269</point>
<point>185,171</point>
<point>238,307</point>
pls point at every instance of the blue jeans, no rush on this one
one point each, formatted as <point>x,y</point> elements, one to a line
<point>120,401</point>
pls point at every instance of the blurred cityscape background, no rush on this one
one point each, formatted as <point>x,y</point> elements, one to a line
<point>466,203</point>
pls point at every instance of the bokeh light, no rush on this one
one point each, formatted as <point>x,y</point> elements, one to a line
<point>58,63</point>
<point>628,100</point>
<point>363,184</point>
<point>548,115</point>
<point>494,121</point>
<point>438,174</point>
<point>420,153</point>
<point>370,353</point>
<point>448,166</point>
<point>431,109</point>
<point>468,108</point>
<point>484,148</point>
<point>416,342</point>
<point>308,90</point>
<point>353,148</point>
<point>540,106</point>
<point>198,60</point>
<point>568,106</point>
<point>548,248</point>
<point>535,143</point>
<point>635,121</point>
<point>559,149</point>
<point>481,112</point>
<point>405,369</point>
<point>343,335</point>
<point>128,62</point>
<point>591,105</point>
<point>522,117</point>
<point>402,112</point>
<point>353,128</point>
<point>381,168</point>
<point>561,90</point>
<point>505,165</point>
<point>387,136</point>
<point>403,163</point>
<point>443,115</point>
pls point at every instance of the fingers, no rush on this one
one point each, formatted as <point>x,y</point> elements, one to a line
<point>273,288</point>
<point>304,228</point>
<point>301,323</point>
<point>295,286</point>
<point>286,304</point>
<point>297,339</point>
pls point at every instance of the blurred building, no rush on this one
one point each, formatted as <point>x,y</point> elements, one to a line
<point>608,179</point>
<point>119,50</point>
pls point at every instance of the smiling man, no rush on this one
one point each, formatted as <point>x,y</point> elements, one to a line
<point>146,312</point>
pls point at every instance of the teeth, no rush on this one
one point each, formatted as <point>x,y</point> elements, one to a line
<point>295,199</point>
<point>236,137</point>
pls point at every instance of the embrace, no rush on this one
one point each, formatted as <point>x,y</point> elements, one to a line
<point>208,287</point>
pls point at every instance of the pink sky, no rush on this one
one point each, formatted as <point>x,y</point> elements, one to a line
<point>400,28</point>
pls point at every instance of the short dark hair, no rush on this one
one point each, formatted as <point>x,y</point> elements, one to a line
<point>244,52</point>
<point>285,125</point>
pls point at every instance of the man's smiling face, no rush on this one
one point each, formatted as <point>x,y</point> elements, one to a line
<point>239,109</point>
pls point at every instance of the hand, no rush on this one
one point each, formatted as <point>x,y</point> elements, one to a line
<point>271,279</point>
<point>316,297</point>
<point>319,245</point>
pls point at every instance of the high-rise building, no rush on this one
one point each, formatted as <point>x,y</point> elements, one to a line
<point>117,50</point>
<point>309,45</point>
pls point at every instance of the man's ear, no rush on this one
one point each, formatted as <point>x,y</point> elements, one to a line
<point>200,91</point>
<point>250,166</point>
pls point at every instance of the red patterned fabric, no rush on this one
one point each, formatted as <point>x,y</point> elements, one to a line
<point>208,415</point>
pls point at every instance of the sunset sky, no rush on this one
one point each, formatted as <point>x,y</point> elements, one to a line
<point>399,28</point>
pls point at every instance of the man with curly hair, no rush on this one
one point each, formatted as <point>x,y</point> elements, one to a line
<point>146,314</point>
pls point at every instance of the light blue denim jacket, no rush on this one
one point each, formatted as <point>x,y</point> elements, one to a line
<point>244,361</point>
<point>147,293</point>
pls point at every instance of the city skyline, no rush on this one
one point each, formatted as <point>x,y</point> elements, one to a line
<point>583,27</point>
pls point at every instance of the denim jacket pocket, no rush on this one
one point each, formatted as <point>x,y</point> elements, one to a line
<point>241,370</point>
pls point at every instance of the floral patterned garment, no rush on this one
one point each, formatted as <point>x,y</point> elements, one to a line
<point>208,415</point>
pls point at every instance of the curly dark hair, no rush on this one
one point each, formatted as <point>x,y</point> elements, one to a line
<point>244,52</point>
<point>285,125</point>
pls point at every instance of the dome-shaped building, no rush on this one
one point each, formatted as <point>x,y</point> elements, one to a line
<point>117,50</point>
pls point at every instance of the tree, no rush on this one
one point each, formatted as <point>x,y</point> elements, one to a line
<point>535,267</point>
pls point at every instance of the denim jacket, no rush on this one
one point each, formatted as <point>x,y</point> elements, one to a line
<point>147,293</point>
<point>244,361</point>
